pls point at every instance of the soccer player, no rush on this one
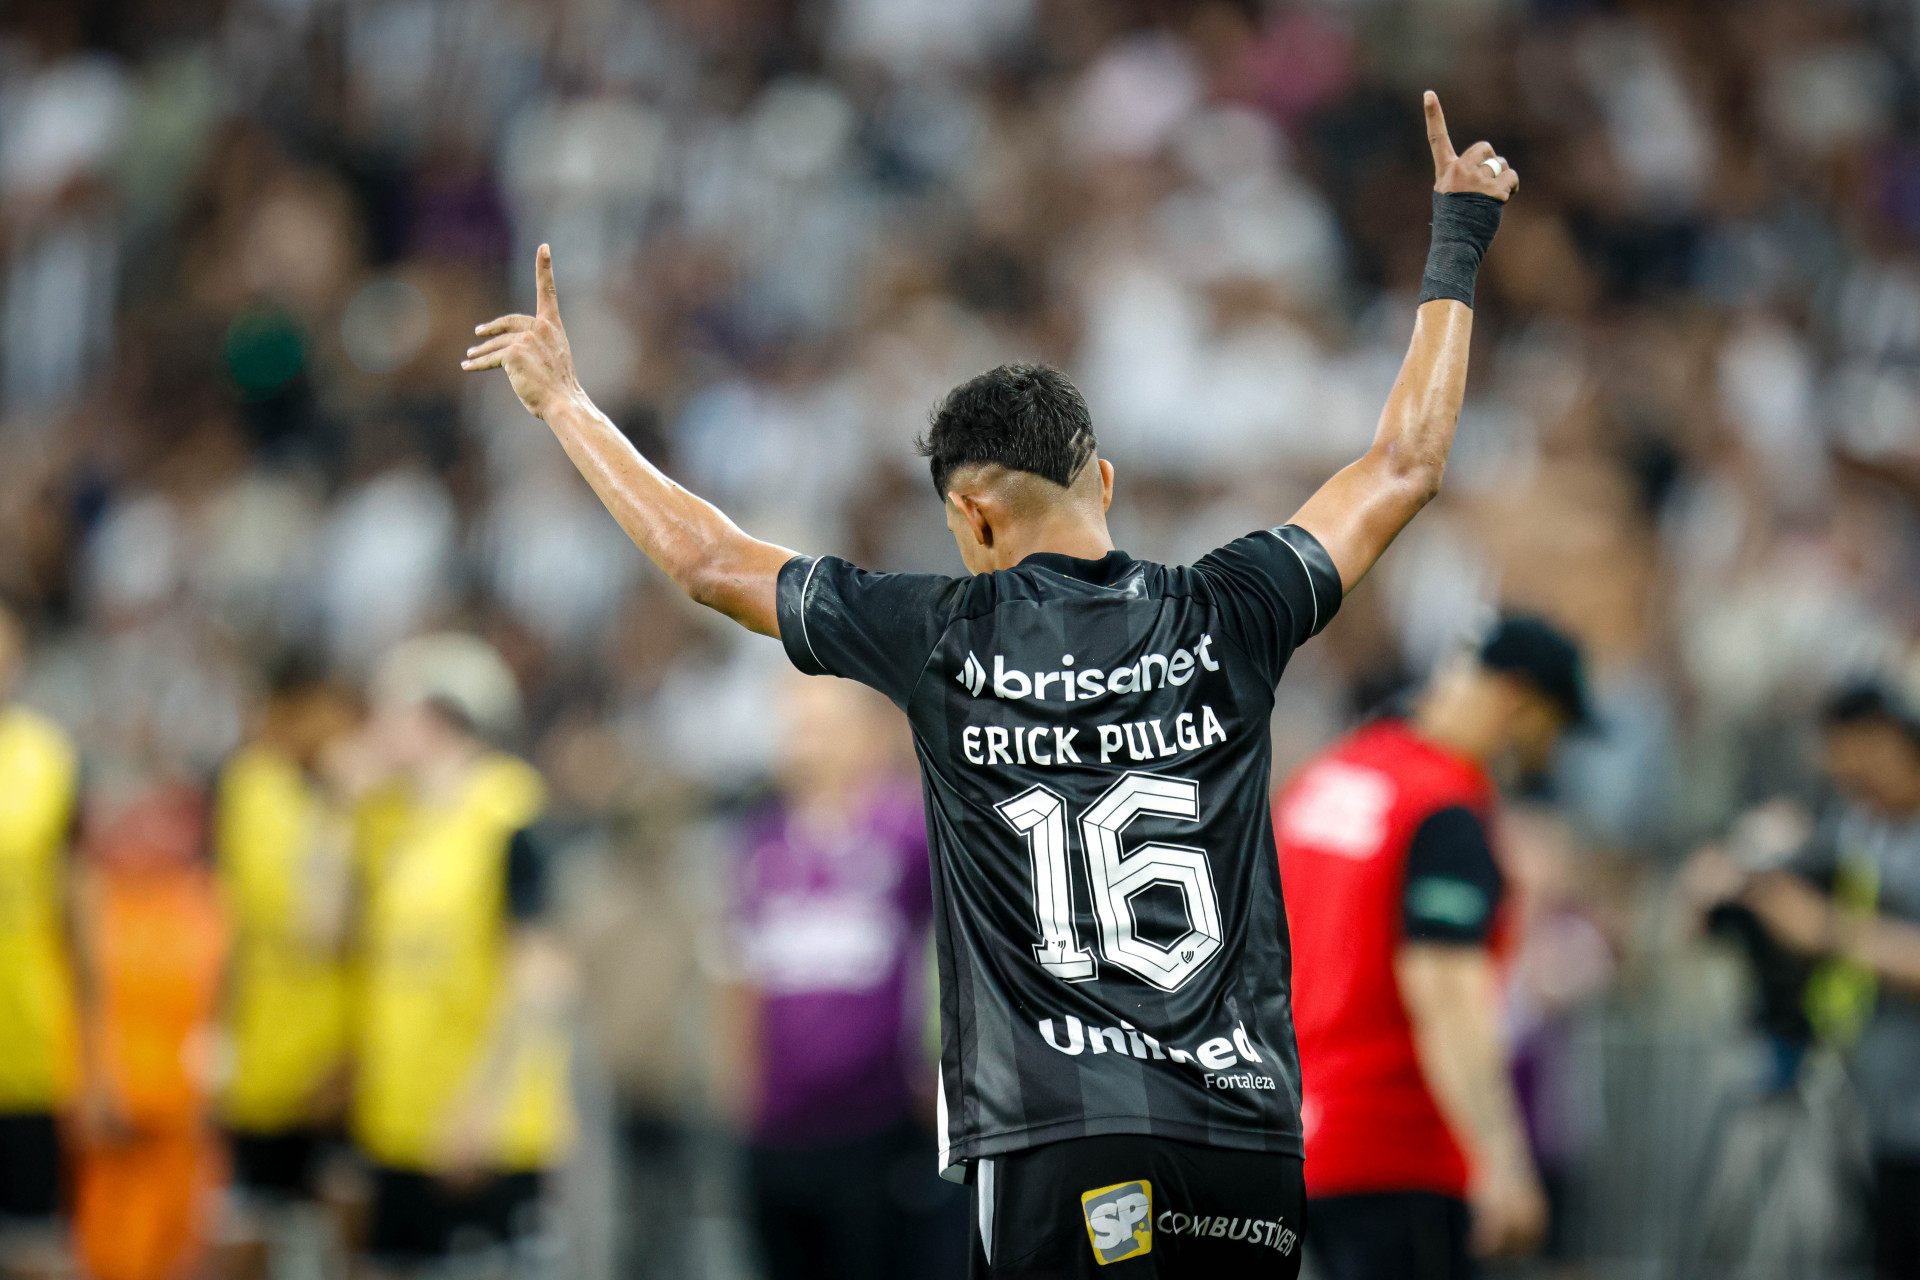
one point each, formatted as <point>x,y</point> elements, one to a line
<point>1387,843</point>
<point>1118,1072</point>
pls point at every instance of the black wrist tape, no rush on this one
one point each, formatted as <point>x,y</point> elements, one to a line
<point>1463,227</point>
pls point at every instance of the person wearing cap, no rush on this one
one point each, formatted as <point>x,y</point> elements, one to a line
<point>1842,895</point>
<point>461,1101</point>
<point>1416,1155</point>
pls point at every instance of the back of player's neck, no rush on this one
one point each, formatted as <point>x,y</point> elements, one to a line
<point>1081,539</point>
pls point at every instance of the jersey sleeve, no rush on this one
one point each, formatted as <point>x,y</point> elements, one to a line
<point>1453,883</point>
<point>1275,589</point>
<point>878,628</point>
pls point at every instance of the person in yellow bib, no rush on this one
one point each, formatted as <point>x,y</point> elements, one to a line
<point>282,841</point>
<point>39,1053</point>
<point>461,1097</point>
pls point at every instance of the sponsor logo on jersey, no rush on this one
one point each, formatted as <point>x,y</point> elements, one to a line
<point>1084,684</point>
<point>1216,1057</point>
<point>1270,1233</point>
<point>1119,1221</point>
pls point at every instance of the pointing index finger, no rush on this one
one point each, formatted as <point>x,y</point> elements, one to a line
<point>549,298</point>
<point>1437,139</point>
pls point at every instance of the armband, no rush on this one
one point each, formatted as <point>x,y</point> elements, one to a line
<point>1463,227</point>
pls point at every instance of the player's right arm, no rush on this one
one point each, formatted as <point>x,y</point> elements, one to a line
<point>694,543</point>
<point>1357,514</point>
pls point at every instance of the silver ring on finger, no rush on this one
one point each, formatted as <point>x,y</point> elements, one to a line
<point>1495,165</point>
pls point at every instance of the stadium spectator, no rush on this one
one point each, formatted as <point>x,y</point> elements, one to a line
<point>40,1066</point>
<point>1417,1156</point>
<point>283,848</point>
<point>461,1099</point>
<point>832,925</point>
<point>1848,901</point>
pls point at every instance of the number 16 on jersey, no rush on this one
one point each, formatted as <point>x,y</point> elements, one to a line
<point>1115,877</point>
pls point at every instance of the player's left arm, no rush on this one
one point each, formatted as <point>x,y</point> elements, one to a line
<point>694,543</point>
<point>1357,514</point>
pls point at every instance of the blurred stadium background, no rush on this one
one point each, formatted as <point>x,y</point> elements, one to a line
<point>245,242</point>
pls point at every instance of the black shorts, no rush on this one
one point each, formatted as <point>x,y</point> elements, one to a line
<point>283,1165</point>
<point>418,1217</point>
<point>1391,1235</point>
<point>29,1165</point>
<point>1125,1206</point>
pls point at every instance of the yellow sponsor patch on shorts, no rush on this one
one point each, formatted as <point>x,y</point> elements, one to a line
<point>1119,1221</point>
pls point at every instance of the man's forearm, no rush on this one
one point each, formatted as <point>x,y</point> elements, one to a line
<point>1452,1006</point>
<point>705,554</point>
<point>1468,1076</point>
<point>1796,915</point>
<point>1360,511</point>
<point>1891,948</point>
<point>693,541</point>
<point>1357,514</point>
<point>1804,920</point>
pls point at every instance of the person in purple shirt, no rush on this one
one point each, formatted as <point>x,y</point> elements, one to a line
<point>831,924</point>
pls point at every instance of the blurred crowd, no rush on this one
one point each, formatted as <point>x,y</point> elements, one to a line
<point>245,242</point>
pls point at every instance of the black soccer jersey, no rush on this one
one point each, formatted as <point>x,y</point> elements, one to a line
<point>1093,736</point>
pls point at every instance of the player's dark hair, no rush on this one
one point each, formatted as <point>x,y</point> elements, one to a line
<point>1867,702</point>
<point>1025,417</point>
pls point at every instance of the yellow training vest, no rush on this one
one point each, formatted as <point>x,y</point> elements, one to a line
<point>434,982</point>
<point>284,866</point>
<point>39,1057</point>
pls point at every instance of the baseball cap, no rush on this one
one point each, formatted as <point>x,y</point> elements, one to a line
<point>459,672</point>
<point>1534,650</point>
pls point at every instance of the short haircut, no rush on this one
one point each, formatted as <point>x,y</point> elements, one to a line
<point>1024,417</point>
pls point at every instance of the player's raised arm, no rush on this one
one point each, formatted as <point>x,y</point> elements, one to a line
<point>692,541</point>
<point>1358,513</point>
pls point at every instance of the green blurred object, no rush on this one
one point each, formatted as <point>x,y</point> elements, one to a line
<point>1841,993</point>
<point>265,349</point>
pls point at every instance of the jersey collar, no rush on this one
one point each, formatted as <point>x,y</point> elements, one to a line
<point>1104,572</point>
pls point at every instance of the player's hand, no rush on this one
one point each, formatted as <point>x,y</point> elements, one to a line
<point>1509,1212</point>
<point>532,349</point>
<point>1477,169</point>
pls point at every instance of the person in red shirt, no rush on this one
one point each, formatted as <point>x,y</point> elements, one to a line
<point>1416,1158</point>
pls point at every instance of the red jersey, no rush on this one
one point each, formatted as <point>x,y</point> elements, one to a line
<point>1345,824</point>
